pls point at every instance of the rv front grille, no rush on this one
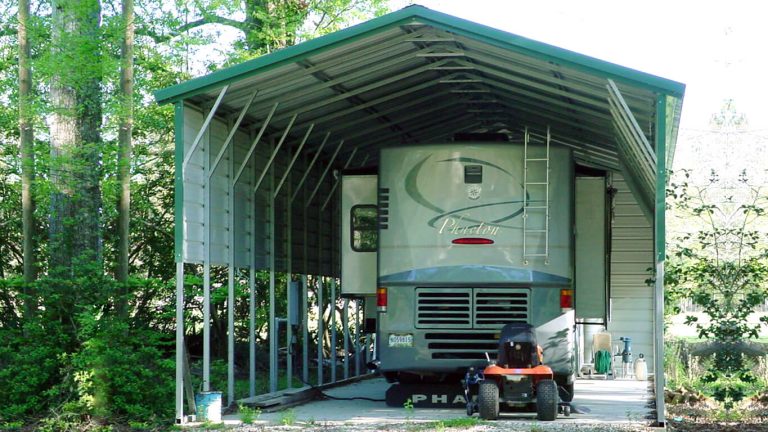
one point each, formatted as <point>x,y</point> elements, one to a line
<point>494,307</point>
<point>462,346</point>
<point>444,308</point>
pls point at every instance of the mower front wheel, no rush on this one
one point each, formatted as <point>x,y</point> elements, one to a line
<point>547,399</point>
<point>488,400</point>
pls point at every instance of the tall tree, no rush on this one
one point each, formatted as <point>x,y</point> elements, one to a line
<point>75,123</point>
<point>26,146</point>
<point>124,152</point>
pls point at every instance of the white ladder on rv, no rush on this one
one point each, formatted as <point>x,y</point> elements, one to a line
<point>535,212</point>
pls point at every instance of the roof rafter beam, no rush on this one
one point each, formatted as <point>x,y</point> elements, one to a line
<point>414,115</point>
<point>411,103</point>
<point>595,102</point>
<point>372,102</point>
<point>279,93</point>
<point>363,89</point>
<point>438,122</point>
<point>599,129</point>
<point>340,89</point>
<point>492,55</point>
<point>547,99</point>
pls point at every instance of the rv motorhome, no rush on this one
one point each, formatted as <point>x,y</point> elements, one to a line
<point>453,241</point>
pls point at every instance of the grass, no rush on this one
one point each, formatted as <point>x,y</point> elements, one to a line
<point>443,425</point>
<point>247,414</point>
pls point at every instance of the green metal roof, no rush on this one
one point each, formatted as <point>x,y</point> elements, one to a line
<point>417,75</point>
<point>420,14</point>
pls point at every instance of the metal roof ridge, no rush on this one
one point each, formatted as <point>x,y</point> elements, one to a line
<point>421,14</point>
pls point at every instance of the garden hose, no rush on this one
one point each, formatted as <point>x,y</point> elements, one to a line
<point>602,362</point>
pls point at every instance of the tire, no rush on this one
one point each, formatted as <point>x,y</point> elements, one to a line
<point>566,392</point>
<point>546,400</point>
<point>488,400</point>
<point>565,389</point>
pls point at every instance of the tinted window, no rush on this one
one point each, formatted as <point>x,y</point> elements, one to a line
<point>364,228</point>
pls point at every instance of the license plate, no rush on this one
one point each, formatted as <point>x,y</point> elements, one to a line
<point>400,340</point>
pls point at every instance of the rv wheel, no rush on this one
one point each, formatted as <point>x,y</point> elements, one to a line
<point>566,392</point>
<point>546,400</point>
<point>488,400</point>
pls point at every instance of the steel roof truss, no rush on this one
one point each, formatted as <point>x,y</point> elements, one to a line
<point>325,173</point>
<point>586,83</point>
<point>274,153</point>
<point>204,128</point>
<point>308,169</point>
<point>231,134</point>
<point>254,144</point>
<point>293,160</point>
<point>385,98</point>
<point>363,89</point>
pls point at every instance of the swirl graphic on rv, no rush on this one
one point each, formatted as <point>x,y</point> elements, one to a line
<point>493,208</point>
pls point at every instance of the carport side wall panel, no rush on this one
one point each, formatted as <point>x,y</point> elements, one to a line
<point>631,256</point>
<point>190,228</point>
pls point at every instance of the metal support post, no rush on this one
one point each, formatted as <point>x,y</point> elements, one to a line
<point>320,330</point>
<point>207,267</point>
<point>304,289</point>
<point>357,337</point>
<point>333,329</point>
<point>252,328</point>
<point>289,267</point>
<point>252,297</point>
<point>231,269</point>
<point>272,319</point>
<point>305,331</point>
<point>345,327</point>
<point>180,342</point>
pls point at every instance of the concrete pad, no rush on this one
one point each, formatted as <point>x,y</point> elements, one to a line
<point>608,402</point>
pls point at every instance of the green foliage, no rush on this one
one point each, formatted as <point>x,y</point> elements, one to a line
<point>73,360</point>
<point>31,360</point>
<point>247,414</point>
<point>288,417</point>
<point>721,264</point>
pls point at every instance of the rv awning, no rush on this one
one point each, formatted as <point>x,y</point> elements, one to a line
<point>417,75</point>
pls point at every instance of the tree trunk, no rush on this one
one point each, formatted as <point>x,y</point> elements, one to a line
<point>26,145</point>
<point>124,155</point>
<point>75,123</point>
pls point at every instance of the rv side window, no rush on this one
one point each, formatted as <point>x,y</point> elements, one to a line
<point>364,229</point>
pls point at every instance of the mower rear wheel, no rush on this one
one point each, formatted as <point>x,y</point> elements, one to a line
<point>488,400</point>
<point>546,400</point>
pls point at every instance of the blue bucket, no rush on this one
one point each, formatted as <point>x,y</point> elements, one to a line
<point>208,406</point>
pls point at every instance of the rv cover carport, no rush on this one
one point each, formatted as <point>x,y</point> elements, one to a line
<point>412,76</point>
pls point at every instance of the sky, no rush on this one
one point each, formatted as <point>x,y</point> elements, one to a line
<point>716,48</point>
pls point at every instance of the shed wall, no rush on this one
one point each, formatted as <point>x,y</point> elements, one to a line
<point>631,257</point>
<point>253,219</point>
